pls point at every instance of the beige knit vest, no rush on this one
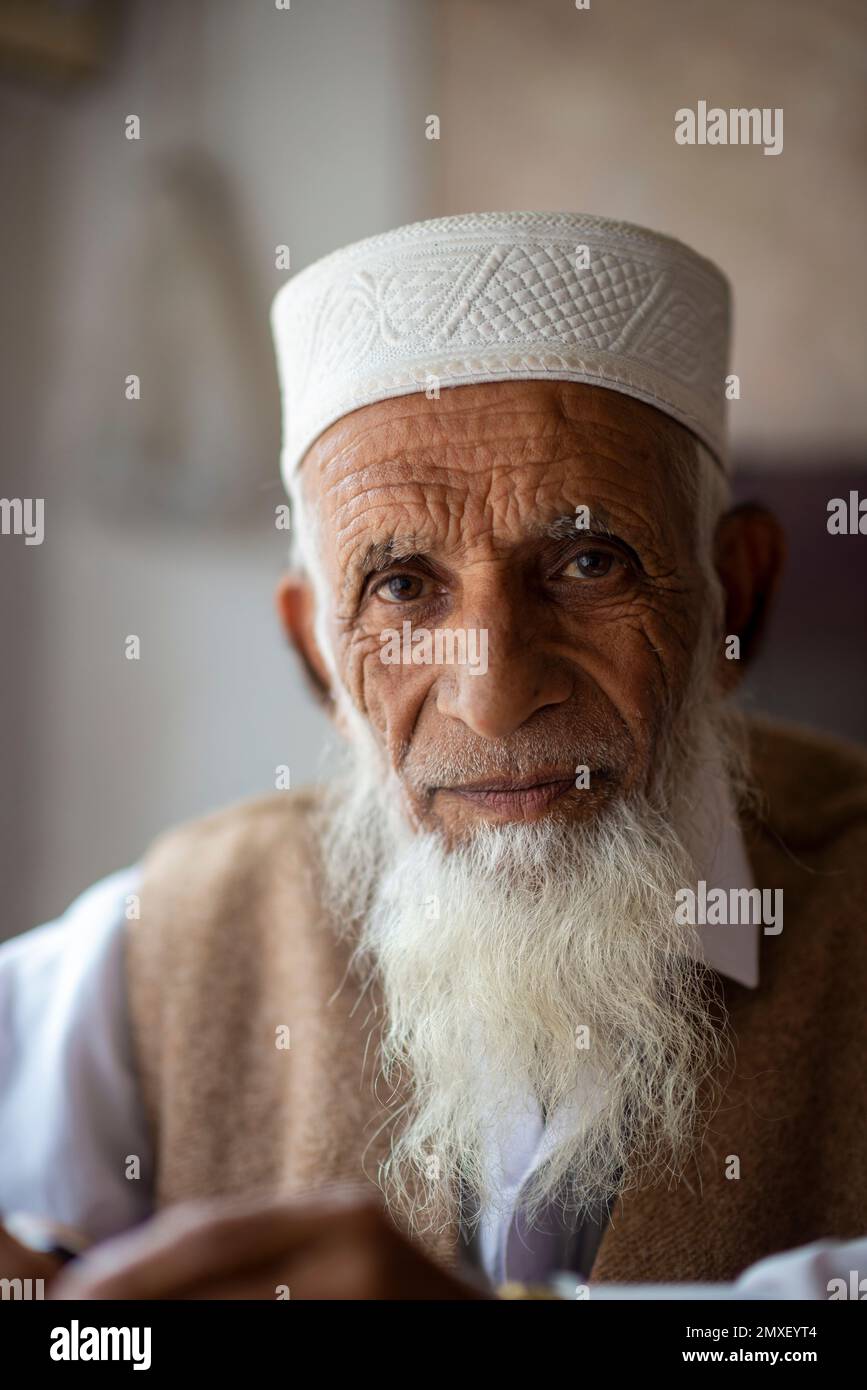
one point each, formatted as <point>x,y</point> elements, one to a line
<point>231,947</point>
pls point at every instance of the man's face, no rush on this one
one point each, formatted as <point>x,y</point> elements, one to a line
<point>460,513</point>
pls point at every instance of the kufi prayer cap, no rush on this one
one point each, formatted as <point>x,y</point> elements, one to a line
<point>501,296</point>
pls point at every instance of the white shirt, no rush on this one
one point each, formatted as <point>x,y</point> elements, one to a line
<point>71,1118</point>
<point>70,1113</point>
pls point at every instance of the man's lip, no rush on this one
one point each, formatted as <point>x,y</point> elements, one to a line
<point>511,784</point>
<point>514,799</point>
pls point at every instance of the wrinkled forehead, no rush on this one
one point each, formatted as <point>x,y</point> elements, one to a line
<point>503,461</point>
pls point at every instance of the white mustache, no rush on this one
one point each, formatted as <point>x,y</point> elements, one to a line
<point>545,751</point>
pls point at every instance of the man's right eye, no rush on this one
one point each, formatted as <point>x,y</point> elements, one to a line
<point>400,588</point>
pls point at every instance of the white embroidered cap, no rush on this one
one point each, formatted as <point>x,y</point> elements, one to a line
<point>495,296</point>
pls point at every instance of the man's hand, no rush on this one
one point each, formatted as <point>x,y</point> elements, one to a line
<point>337,1244</point>
<point>18,1261</point>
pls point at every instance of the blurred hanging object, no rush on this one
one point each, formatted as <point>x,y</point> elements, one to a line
<point>201,440</point>
<point>57,39</point>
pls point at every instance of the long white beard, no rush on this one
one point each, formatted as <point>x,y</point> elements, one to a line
<point>493,955</point>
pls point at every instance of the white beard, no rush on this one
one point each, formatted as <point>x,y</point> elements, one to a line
<point>497,951</point>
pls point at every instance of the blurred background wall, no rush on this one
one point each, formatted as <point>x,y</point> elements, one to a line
<point>306,128</point>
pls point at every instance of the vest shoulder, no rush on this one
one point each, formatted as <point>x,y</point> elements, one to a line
<point>812,786</point>
<point>240,836</point>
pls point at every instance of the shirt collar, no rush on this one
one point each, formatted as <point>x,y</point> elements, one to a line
<point>733,949</point>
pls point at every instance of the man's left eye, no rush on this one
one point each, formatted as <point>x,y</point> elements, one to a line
<point>591,564</point>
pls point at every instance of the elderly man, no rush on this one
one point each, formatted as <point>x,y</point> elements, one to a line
<point>565,972</point>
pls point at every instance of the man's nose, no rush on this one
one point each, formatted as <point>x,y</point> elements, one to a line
<point>523,675</point>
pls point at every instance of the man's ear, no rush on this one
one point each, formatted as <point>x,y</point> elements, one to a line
<point>296,607</point>
<point>749,552</point>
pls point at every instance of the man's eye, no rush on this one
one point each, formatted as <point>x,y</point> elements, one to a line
<point>400,588</point>
<point>592,564</point>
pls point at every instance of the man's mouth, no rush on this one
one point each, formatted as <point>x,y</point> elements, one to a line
<point>514,796</point>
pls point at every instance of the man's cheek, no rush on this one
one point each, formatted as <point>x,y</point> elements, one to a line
<point>391,696</point>
<point>654,647</point>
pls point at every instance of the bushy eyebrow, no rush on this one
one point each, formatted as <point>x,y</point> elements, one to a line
<point>383,553</point>
<point>379,555</point>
